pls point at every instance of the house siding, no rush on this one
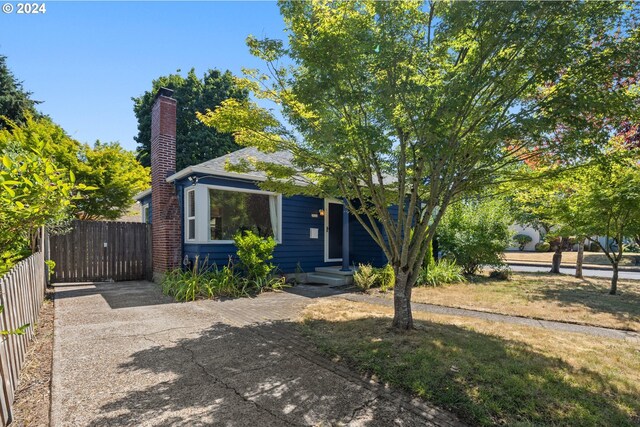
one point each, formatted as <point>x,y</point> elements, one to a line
<point>146,200</point>
<point>297,249</point>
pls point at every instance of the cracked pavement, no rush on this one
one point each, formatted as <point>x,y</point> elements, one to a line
<point>124,354</point>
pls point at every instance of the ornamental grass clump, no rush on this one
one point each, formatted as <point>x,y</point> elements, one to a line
<point>440,273</point>
<point>367,277</point>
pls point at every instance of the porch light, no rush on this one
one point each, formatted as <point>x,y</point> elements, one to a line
<point>321,212</point>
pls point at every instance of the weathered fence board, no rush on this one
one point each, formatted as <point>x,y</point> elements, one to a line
<point>96,251</point>
<point>22,291</point>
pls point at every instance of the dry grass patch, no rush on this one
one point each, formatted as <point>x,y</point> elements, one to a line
<point>487,373</point>
<point>544,296</point>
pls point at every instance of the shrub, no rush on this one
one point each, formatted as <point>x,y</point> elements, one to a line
<point>365,277</point>
<point>475,234</point>
<point>386,278</point>
<point>632,247</point>
<point>185,285</point>
<point>522,240</point>
<point>255,253</point>
<point>501,273</point>
<point>542,247</point>
<point>440,273</point>
<point>203,281</point>
<point>594,247</point>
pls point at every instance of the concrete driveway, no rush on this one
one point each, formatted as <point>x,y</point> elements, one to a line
<point>125,355</point>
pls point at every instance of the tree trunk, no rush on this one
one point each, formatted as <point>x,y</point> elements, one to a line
<point>579,259</point>
<point>402,317</point>
<point>557,257</point>
<point>614,279</point>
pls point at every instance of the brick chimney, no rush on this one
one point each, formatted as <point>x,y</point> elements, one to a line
<point>165,208</point>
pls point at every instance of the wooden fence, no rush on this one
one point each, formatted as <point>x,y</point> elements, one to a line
<point>22,292</point>
<point>97,251</point>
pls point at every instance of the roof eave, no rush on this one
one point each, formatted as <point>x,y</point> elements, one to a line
<point>212,172</point>
<point>142,194</point>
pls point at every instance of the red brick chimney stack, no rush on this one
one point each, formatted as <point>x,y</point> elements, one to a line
<point>164,202</point>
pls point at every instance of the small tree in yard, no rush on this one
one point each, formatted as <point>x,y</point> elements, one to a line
<point>411,105</point>
<point>542,204</point>
<point>605,201</point>
<point>475,234</point>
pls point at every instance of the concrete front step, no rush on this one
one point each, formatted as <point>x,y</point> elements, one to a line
<point>329,279</point>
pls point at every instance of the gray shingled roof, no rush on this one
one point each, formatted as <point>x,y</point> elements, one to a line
<point>218,165</point>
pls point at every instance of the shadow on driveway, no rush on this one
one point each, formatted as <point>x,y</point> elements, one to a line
<point>116,294</point>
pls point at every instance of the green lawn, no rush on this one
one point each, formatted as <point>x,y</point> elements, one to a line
<point>487,373</point>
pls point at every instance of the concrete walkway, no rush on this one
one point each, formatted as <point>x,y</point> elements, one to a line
<point>125,355</point>
<point>547,324</point>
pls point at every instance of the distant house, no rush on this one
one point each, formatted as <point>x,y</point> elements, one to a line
<point>529,231</point>
<point>196,212</point>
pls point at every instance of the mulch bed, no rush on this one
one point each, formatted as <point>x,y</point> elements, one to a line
<point>33,398</point>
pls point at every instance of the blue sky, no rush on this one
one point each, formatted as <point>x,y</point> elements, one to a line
<point>85,60</point>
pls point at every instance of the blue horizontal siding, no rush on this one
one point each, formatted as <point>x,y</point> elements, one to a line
<point>297,248</point>
<point>147,200</point>
<point>363,249</point>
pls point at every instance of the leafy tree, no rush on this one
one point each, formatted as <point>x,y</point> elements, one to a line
<point>15,102</point>
<point>475,233</point>
<point>541,203</point>
<point>114,176</point>
<point>195,142</point>
<point>35,191</point>
<point>412,105</point>
<point>605,202</point>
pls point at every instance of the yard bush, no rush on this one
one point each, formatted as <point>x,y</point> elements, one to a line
<point>501,273</point>
<point>367,277</point>
<point>439,273</point>
<point>542,247</point>
<point>386,278</point>
<point>202,281</point>
<point>522,240</point>
<point>475,233</point>
<point>255,253</point>
<point>594,247</point>
<point>205,281</point>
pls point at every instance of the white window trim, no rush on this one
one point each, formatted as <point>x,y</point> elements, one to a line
<point>187,217</point>
<point>326,229</point>
<point>203,213</point>
<point>145,207</point>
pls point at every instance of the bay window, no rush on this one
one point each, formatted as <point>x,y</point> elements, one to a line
<point>233,210</point>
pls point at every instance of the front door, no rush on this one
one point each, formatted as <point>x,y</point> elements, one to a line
<point>333,233</point>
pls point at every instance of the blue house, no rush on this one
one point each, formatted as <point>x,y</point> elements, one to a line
<point>314,234</point>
